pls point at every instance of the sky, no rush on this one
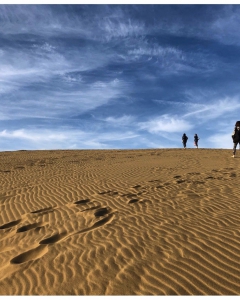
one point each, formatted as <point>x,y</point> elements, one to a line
<point>118,76</point>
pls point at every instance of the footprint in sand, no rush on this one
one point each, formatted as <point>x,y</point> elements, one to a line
<point>30,255</point>
<point>129,195</point>
<point>103,193</point>
<point>180,181</point>
<point>133,201</point>
<point>91,208</point>
<point>31,226</point>
<point>136,186</point>
<point>10,224</point>
<point>101,212</point>
<point>43,210</point>
<point>82,201</point>
<point>97,224</point>
<point>110,193</point>
<point>154,180</point>
<point>144,201</point>
<point>193,173</point>
<point>39,251</point>
<point>53,239</point>
<point>159,187</point>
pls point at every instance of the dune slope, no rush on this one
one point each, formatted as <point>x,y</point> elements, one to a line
<point>120,222</point>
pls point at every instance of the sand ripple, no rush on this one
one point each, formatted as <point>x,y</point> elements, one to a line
<point>119,222</point>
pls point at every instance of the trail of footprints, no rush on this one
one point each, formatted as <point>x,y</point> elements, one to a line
<point>134,196</point>
<point>104,213</point>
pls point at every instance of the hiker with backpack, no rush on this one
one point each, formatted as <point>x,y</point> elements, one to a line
<point>196,138</point>
<point>184,140</point>
<point>236,137</point>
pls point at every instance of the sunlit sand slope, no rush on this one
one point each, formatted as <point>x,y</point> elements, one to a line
<point>130,222</point>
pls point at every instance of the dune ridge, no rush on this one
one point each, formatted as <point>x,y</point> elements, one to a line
<point>120,222</point>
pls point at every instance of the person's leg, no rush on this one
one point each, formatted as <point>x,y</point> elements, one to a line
<point>234,148</point>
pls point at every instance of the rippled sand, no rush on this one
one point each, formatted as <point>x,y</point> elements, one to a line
<point>129,222</point>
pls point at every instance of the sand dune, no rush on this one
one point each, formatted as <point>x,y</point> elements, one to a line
<point>120,222</point>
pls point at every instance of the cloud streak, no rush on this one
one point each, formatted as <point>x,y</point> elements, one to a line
<point>64,138</point>
<point>220,108</point>
<point>166,123</point>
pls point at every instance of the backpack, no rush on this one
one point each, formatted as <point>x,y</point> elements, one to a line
<point>235,134</point>
<point>196,138</point>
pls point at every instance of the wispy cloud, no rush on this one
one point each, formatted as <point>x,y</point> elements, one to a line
<point>63,138</point>
<point>156,50</point>
<point>38,136</point>
<point>214,109</point>
<point>62,103</point>
<point>220,140</point>
<point>121,27</point>
<point>102,22</point>
<point>166,123</point>
<point>225,26</point>
<point>125,120</point>
<point>21,19</point>
<point>20,68</point>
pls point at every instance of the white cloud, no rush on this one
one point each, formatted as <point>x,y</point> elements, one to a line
<point>170,59</point>
<point>95,23</point>
<point>118,28</point>
<point>116,136</point>
<point>45,81</point>
<point>62,138</point>
<point>220,140</point>
<point>62,103</point>
<point>166,123</point>
<point>125,120</point>
<point>47,47</point>
<point>41,63</point>
<point>156,50</point>
<point>214,109</point>
<point>21,68</point>
<point>34,136</point>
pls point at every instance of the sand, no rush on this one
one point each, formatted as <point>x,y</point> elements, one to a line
<point>120,222</point>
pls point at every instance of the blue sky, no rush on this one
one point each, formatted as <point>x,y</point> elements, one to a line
<point>118,76</point>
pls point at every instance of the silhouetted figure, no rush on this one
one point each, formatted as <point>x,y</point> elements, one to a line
<point>196,139</point>
<point>236,137</point>
<point>184,140</point>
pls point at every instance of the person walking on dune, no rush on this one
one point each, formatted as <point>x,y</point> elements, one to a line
<point>184,140</point>
<point>196,138</point>
<point>236,137</point>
